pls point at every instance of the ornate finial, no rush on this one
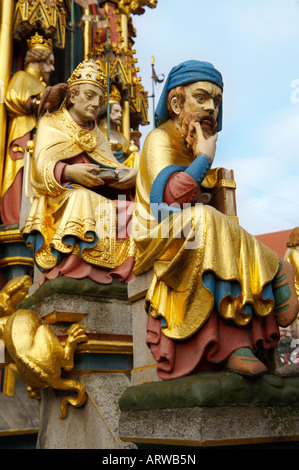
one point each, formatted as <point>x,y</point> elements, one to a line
<point>39,42</point>
<point>114,97</point>
<point>89,71</point>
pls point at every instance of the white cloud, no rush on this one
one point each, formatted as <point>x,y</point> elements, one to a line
<point>268,182</point>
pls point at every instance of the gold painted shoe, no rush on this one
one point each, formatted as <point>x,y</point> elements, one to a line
<point>286,300</point>
<point>244,362</point>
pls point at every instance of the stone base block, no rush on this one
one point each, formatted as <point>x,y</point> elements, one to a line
<point>206,427</point>
<point>102,363</point>
<point>211,409</point>
<point>145,366</point>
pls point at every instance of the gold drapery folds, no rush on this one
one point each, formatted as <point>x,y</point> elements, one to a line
<point>186,245</point>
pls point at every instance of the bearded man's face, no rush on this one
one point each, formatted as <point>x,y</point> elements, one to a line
<point>201,105</point>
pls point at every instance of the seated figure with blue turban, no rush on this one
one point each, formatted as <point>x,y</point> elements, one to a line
<point>217,296</point>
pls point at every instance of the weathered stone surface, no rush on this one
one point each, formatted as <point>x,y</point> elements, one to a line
<point>19,413</point>
<point>93,426</point>
<point>145,366</point>
<point>105,313</point>
<point>105,308</point>
<point>216,426</point>
<point>104,316</point>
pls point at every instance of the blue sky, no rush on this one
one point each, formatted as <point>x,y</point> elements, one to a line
<point>255,45</point>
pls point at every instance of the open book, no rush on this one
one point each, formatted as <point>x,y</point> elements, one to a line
<point>110,175</point>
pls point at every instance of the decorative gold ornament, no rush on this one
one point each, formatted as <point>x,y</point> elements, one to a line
<point>89,71</point>
<point>48,16</point>
<point>39,42</point>
<point>13,293</point>
<point>114,97</point>
<point>35,353</point>
<point>86,140</point>
<point>136,7</point>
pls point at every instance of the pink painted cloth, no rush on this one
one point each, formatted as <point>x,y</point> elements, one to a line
<point>76,268</point>
<point>210,347</point>
<point>181,188</point>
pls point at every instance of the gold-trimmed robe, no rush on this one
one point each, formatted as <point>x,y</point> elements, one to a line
<point>61,214</point>
<point>188,244</point>
<point>22,121</point>
<point>292,256</point>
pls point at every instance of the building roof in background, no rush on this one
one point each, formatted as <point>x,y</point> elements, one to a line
<point>276,241</point>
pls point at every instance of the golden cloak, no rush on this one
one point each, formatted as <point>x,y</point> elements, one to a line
<point>292,256</point>
<point>64,214</point>
<point>23,85</point>
<point>201,259</point>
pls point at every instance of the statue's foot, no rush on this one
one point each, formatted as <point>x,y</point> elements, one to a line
<point>286,301</point>
<point>244,362</point>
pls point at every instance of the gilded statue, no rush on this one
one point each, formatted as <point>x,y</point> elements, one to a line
<point>22,99</point>
<point>12,294</point>
<point>135,6</point>
<point>124,151</point>
<point>78,224</point>
<point>33,351</point>
<point>292,255</point>
<point>217,296</point>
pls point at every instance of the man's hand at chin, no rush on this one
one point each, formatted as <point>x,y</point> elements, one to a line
<point>199,144</point>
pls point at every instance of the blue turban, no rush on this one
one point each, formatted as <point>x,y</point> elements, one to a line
<point>186,73</point>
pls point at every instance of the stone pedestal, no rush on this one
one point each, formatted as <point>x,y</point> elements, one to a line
<point>206,409</point>
<point>103,363</point>
<point>95,425</point>
<point>211,409</point>
<point>144,364</point>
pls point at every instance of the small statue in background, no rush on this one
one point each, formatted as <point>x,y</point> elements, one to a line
<point>292,255</point>
<point>124,151</point>
<point>22,99</point>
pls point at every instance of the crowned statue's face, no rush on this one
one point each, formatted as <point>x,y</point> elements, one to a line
<point>84,105</point>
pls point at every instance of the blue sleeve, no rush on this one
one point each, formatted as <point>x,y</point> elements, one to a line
<point>199,168</point>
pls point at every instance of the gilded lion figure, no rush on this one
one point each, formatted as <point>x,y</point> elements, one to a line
<point>33,351</point>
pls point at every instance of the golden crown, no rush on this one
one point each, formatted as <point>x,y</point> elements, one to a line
<point>89,71</point>
<point>39,42</point>
<point>114,97</point>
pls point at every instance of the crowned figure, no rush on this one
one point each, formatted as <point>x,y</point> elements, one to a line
<point>77,225</point>
<point>22,98</point>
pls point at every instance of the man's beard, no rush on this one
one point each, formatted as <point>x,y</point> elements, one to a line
<point>207,122</point>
